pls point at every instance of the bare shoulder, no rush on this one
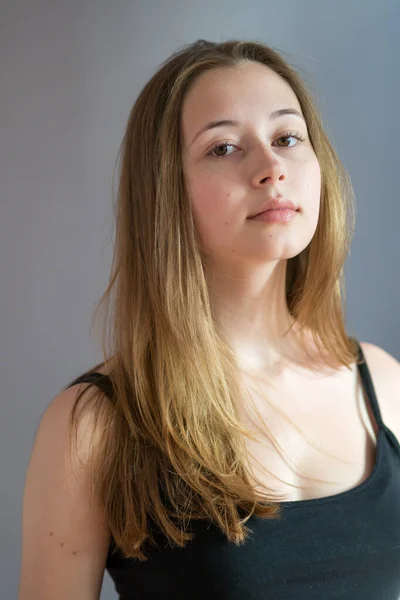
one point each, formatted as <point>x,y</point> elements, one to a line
<point>382,365</point>
<point>65,533</point>
<point>385,374</point>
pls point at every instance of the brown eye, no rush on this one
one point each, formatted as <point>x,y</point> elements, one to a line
<point>292,135</point>
<point>219,147</point>
<point>285,137</point>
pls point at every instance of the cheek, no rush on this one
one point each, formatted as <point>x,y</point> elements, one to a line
<point>313,179</point>
<point>210,201</point>
<point>311,193</point>
<point>213,211</point>
<point>307,183</point>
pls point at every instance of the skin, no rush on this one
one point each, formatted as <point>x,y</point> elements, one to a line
<point>246,263</point>
<point>246,260</point>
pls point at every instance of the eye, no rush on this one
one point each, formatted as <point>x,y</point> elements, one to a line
<point>290,134</point>
<point>218,147</point>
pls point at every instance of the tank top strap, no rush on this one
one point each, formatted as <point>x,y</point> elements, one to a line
<point>100,379</point>
<point>369,387</point>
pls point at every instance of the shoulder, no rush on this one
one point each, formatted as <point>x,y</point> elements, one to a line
<point>65,533</point>
<point>77,406</point>
<point>384,365</point>
<point>385,374</point>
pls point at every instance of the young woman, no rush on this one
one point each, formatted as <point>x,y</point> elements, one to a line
<point>235,442</point>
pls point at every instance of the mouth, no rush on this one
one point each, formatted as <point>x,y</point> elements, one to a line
<point>276,215</point>
<point>275,210</point>
<point>272,204</point>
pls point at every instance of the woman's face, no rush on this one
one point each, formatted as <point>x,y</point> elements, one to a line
<point>233,169</point>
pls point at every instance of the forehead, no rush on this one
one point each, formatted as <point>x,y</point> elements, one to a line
<point>246,90</point>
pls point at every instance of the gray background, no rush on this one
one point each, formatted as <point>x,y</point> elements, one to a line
<point>70,72</point>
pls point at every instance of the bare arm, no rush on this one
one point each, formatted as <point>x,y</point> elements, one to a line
<point>64,534</point>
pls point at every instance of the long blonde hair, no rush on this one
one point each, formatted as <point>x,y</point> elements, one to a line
<point>170,446</point>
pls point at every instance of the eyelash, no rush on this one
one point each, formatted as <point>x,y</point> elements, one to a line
<point>293,134</point>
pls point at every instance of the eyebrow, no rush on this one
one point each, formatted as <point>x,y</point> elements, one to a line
<point>224,122</point>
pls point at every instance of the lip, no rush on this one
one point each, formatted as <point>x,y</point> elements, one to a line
<point>277,215</point>
<point>274,204</point>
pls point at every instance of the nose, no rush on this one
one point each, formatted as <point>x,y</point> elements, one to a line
<point>270,170</point>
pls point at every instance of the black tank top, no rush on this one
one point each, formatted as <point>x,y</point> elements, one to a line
<point>345,546</point>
